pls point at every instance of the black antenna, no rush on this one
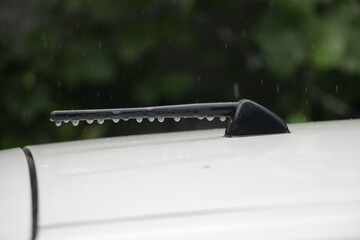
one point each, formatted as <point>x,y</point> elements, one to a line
<point>246,117</point>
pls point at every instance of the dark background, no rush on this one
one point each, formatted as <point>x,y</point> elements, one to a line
<point>300,59</point>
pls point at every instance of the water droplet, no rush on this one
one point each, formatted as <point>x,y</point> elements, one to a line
<point>160,119</point>
<point>116,120</point>
<point>139,120</point>
<point>151,119</point>
<point>236,90</point>
<point>222,118</point>
<point>125,119</point>
<point>100,121</point>
<point>66,121</point>
<point>75,122</point>
<point>58,123</point>
<point>210,118</point>
<point>89,121</point>
<point>177,119</point>
<point>200,118</point>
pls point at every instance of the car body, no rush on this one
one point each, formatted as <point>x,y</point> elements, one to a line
<point>188,185</point>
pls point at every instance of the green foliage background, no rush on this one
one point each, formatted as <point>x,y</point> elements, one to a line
<point>301,59</point>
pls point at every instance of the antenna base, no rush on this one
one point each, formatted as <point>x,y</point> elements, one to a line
<point>250,118</point>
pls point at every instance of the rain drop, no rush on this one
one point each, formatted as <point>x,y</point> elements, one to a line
<point>210,118</point>
<point>66,121</point>
<point>58,123</point>
<point>100,121</point>
<point>89,121</point>
<point>177,119</point>
<point>75,122</point>
<point>236,90</point>
<point>139,120</point>
<point>200,118</point>
<point>160,119</point>
<point>116,120</point>
<point>151,119</point>
<point>222,118</point>
<point>125,119</point>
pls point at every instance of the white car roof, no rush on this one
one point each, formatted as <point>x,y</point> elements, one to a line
<point>192,181</point>
<point>15,196</point>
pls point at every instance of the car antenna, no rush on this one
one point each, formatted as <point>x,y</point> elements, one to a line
<point>246,117</point>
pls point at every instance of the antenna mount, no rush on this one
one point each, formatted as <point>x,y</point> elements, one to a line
<point>246,117</point>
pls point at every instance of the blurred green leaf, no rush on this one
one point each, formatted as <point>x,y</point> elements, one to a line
<point>85,63</point>
<point>173,86</point>
<point>281,46</point>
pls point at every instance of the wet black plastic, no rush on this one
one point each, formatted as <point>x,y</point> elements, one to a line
<point>246,117</point>
<point>251,118</point>
<point>197,110</point>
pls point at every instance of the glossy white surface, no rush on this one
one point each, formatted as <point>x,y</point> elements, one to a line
<point>288,181</point>
<point>15,196</point>
<point>297,222</point>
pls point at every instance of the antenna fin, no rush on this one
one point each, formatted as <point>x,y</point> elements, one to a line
<point>250,118</point>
